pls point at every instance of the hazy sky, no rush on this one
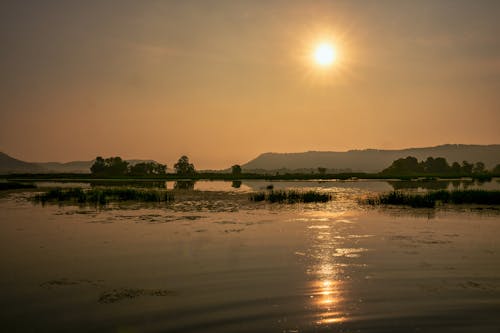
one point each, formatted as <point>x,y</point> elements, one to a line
<point>223,81</point>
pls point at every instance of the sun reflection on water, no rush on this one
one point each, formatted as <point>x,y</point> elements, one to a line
<point>328,289</point>
<point>327,299</point>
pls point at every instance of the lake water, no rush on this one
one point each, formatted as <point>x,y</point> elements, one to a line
<point>213,261</point>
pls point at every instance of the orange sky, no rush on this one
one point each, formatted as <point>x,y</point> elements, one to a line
<point>223,81</point>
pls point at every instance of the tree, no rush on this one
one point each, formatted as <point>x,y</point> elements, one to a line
<point>467,167</point>
<point>321,170</point>
<point>408,165</point>
<point>115,166</point>
<point>148,168</point>
<point>112,166</point>
<point>236,169</point>
<point>99,167</point>
<point>436,165</point>
<point>496,169</point>
<point>455,168</point>
<point>183,167</point>
<point>479,167</point>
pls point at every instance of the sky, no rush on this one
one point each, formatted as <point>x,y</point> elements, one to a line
<point>223,81</point>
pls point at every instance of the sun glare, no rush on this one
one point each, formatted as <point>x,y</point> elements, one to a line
<point>324,54</point>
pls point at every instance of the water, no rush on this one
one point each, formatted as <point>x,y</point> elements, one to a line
<point>215,262</point>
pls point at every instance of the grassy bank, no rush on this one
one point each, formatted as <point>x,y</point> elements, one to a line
<point>102,196</point>
<point>430,199</point>
<point>291,196</point>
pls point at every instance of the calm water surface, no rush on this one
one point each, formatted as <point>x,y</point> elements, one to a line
<point>215,262</point>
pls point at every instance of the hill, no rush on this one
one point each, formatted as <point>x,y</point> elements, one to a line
<point>76,166</point>
<point>372,160</point>
<point>9,164</point>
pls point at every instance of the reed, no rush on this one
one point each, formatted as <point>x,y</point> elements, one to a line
<point>430,199</point>
<point>290,196</point>
<point>103,196</point>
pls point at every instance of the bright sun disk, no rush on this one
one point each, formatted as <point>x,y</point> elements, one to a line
<point>324,54</point>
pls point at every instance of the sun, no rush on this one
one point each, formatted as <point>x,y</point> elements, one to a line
<point>324,54</point>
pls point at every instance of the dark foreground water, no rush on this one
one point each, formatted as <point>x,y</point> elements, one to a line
<point>215,262</point>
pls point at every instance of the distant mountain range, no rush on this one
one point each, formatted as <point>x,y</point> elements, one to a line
<point>368,160</point>
<point>9,164</point>
<point>372,160</point>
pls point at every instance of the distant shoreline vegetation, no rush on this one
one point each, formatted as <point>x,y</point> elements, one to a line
<point>432,198</point>
<point>409,168</point>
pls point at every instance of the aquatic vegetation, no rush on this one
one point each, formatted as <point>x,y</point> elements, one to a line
<point>103,195</point>
<point>430,199</point>
<point>117,295</point>
<point>415,200</point>
<point>15,186</point>
<point>291,196</point>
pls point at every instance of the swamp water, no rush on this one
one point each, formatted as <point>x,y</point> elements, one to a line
<point>212,261</point>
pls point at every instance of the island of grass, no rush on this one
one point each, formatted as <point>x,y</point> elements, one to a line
<point>291,196</point>
<point>430,199</point>
<point>102,196</point>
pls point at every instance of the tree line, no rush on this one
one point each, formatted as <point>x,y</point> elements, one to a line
<point>437,166</point>
<point>116,166</point>
<point>409,166</point>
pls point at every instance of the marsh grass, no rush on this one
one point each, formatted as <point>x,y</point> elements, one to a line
<point>291,196</point>
<point>430,199</point>
<point>102,196</point>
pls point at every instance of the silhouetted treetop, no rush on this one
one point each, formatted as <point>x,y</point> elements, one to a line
<point>112,166</point>
<point>183,167</point>
<point>433,166</point>
<point>236,169</point>
<point>115,166</point>
<point>148,168</point>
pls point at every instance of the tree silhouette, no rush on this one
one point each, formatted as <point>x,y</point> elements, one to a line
<point>479,167</point>
<point>99,167</point>
<point>183,167</point>
<point>148,168</point>
<point>455,168</point>
<point>406,165</point>
<point>496,169</point>
<point>236,169</point>
<point>112,166</point>
<point>467,167</point>
<point>321,170</point>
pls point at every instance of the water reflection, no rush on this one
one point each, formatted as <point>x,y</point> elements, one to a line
<point>122,183</point>
<point>374,186</point>
<point>327,291</point>
<point>432,184</point>
<point>184,185</point>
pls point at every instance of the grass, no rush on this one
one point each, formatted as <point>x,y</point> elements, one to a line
<point>430,199</point>
<point>103,196</point>
<point>291,196</point>
<point>403,199</point>
<point>4,186</point>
